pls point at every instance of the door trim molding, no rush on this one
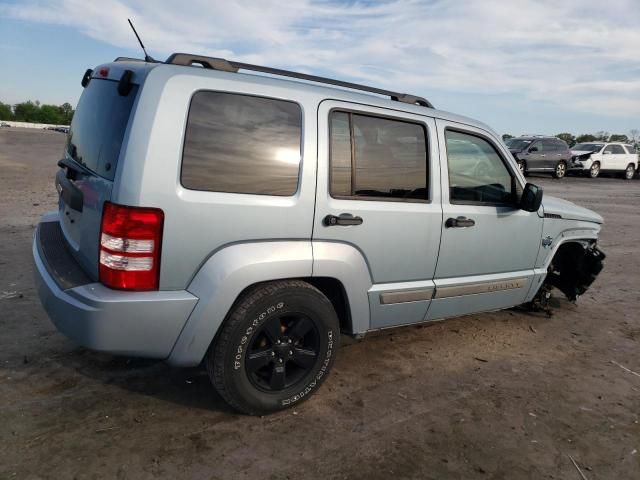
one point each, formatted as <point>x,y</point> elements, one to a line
<point>405,296</point>
<point>481,287</point>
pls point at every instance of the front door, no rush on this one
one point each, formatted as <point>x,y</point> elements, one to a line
<point>378,192</point>
<point>489,245</point>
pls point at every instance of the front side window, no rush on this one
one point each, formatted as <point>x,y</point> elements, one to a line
<point>538,147</point>
<point>377,158</point>
<point>477,173</point>
<point>242,144</point>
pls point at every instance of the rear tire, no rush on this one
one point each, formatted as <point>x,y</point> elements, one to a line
<point>594,171</point>
<point>560,170</point>
<point>629,172</point>
<point>275,348</point>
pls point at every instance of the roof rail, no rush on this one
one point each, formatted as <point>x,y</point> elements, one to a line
<point>230,66</point>
<point>128,59</point>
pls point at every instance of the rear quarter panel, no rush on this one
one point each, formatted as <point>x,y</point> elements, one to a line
<point>198,223</point>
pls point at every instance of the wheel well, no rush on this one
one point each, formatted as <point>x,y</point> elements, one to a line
<point>574,267</point>
<point>335,292</point>
<point>331,288</point>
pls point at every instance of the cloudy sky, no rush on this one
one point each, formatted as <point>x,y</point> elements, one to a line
<point>522,66</point>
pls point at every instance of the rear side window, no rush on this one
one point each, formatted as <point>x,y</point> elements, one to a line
<point>242,144</point>
<point>98,126</point>
<point>377,158</point>
<point>630,149</point>
<point>477,173</point>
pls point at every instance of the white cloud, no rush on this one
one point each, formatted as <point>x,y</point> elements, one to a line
<point>584,54</point>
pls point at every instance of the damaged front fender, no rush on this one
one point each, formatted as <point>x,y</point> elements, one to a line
<point>574,268</point>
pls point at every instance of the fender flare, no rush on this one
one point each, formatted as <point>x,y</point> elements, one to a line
<point>223,277</point>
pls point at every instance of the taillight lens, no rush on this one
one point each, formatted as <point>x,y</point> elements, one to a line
<point>130,241</point>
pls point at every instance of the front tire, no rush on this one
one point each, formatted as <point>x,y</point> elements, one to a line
<point>594,171</point>
<point>560,170</point>
<point>275,348</point>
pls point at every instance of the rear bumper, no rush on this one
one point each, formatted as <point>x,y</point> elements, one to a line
<point>145,324</point>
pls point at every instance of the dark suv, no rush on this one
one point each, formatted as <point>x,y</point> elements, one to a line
<point>541,154</point>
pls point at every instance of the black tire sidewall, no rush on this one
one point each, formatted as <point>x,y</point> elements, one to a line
<point>306,301</point>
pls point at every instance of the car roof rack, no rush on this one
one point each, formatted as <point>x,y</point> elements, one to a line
<point>187,59</point>
<point>128,59</point>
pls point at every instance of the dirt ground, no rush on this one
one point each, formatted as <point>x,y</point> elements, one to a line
<point>502,395</point>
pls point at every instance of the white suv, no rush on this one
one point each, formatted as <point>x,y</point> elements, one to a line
<point>596,157</point>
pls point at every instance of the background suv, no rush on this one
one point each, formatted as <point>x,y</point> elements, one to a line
<point>541,154</point>
<point>595,157</point>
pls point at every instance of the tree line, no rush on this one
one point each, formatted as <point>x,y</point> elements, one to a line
<point>36,113</point>
<point>633,137</point>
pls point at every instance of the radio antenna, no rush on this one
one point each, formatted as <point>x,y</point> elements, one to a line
<point>147,58</point>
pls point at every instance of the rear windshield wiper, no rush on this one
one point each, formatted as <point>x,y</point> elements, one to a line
<point>72,165</point>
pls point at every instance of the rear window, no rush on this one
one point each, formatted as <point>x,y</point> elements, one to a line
<point>98,126</point>
<point>242,144</point>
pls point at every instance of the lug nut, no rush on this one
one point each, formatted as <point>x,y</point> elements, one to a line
<point>278,342</point>
<point>290,352</point>
<point>289,341</point>
<point>280,360</point>
<point>273,354</point>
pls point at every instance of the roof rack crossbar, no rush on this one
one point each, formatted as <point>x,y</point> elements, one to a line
<point>230,66</point>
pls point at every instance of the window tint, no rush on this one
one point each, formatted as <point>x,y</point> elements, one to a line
<point>377,157</point>
<point>617,149</point>
<point>98,126</point>
<point>549,145</point>
<point>476,171</point>
<point>609,149</point>
<point>242,144</point>
<point>630,149</point>
<point>561,145</point>
<point>539,145</point>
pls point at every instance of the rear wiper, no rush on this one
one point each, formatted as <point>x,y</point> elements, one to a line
<point>74,166</point>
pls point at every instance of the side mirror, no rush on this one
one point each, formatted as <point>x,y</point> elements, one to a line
<point>533,149</point>
<point>531,198</point>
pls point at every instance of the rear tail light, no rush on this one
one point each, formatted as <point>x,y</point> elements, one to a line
<point>130,241</point>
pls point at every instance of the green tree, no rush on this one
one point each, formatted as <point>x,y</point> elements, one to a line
<point>618,138</point>
<point>27,111</point>
<point>585,137</point>
<point>634,137</point>
<point>506,137</point>
<point>5,112</point>
<point>602,136</point>
<point>67,113</point>
<point>567,137</point>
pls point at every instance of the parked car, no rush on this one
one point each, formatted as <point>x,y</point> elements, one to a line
<point>245,221</point>
<point>4,125</point>
<point>541,154</point>
<point>595,157</point>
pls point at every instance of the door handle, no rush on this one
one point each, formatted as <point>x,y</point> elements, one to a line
<point>460,222</point>
<point>343,219</point>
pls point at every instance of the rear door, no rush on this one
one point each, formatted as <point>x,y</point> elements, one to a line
<point>378,191</point>
<point>536,159</point>
<point>85,179</point>
<point>489,245</point>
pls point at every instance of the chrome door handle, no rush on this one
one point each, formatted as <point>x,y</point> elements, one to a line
<point>460,222</point>
<point>343,219</point>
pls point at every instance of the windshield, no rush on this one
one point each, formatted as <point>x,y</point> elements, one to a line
<point>587,147</point>
<point>98,126</point>
<point>518,143</point>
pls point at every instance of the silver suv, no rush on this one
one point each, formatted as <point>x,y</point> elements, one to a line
<point>245,221</point>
